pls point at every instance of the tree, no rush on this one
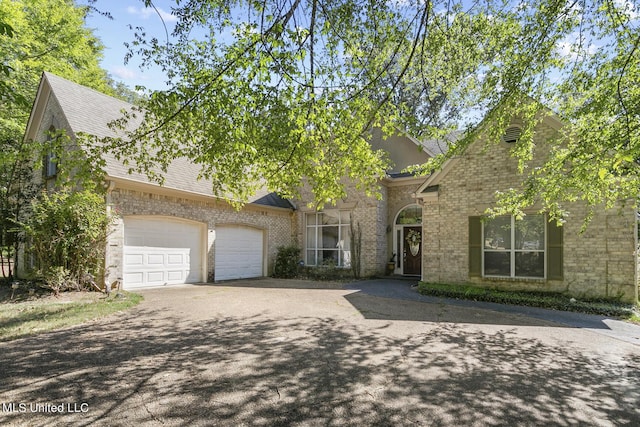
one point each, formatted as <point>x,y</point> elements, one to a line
<point>43,35</point>
<point>284,92</point>
<point>124,92</point>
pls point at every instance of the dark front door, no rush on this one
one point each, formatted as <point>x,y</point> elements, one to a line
<point>412,250</point>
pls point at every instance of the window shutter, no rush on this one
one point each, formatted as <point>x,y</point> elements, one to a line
<point>475,246</point>
<point>554,251</point>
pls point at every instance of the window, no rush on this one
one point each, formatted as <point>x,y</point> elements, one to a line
<point>410,215</point>
<point>517,253</point>
<point>50,163</point>
<point>327,238</point>
<point>50,166</point>
<point>514,248</point>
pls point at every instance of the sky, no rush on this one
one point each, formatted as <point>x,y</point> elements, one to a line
<point>114,33</point>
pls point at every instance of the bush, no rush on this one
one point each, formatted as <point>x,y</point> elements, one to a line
<point>327,273</point>
<point>68,233</point>
<point>546,300</point>
<point>287,262</point>
<point>58,279</point>
<point>288,265</point>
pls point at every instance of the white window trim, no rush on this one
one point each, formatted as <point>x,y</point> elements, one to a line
<point>318,226</point>
<point>51,161</point>
<point>512,254</point>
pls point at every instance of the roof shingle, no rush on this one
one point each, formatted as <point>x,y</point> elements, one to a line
<point>89,111</point>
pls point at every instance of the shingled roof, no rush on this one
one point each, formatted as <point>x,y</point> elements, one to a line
<point>89,111</point>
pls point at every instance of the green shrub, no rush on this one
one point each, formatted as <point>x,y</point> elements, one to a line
<point>67,233</point>
<point>287,262</point>
<point>547,300</point>
<point>328,272</point>
<point>58,279</point>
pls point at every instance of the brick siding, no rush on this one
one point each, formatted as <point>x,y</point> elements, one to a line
<point>600,262</point>
<point>375,217</point>
<point>276,223</point>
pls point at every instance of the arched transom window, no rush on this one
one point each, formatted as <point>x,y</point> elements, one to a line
<point>410,215</point>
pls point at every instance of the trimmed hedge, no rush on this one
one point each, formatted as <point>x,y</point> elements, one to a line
<point>547,300</point>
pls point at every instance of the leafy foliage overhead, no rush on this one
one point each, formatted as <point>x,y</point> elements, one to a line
<point>35,36</point>
<point>284,92</point>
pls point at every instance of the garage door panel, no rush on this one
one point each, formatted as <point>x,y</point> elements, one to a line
<point>155,259</point>
<point>161,251</point>
<point>155,276</point>
<point>238,252</point>
<point>134,259</point>
<point>177,259</point>
<point>133,279</point>
<point>175,276</point>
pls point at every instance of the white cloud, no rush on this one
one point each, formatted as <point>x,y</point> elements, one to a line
<point>124,73</point>
<point>628,8</point>
<point>398,3</point>
<point>568,48</point>
<point>147,12</point>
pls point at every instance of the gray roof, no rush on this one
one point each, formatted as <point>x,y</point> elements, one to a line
<point>440,146</point>
<point>89,111</point>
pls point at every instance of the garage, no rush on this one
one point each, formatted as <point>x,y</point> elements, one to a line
<point>162,251</point>
<point>239,252</point>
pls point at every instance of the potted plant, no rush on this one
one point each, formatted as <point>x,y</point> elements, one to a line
<point>391,265</point>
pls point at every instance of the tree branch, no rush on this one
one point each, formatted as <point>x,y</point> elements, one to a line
<point>220,73</point>
<point>423,22</point>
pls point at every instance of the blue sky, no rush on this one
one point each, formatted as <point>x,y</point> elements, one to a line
<point>114,33</point>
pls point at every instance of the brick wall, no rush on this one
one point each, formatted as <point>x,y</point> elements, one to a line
<point>277,223</point>
<point>400,196</point>
<point>375,217</point>
<point>369,212</point>
<point>600,262</point>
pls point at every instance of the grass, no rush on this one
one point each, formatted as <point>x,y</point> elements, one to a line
<point>552,301</point>
<point>22,316</point>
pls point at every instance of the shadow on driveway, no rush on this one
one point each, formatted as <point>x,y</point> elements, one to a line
<point>153,368</point>
<point>239,354</point>
<point>487,312</point>
<point>443,309</point>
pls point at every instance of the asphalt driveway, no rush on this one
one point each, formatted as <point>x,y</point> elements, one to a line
<point>273,352</point>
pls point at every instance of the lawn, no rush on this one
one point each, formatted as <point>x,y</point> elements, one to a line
<point>26,314</point>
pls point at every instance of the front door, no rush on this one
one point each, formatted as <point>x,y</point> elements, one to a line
<point>412,251</point>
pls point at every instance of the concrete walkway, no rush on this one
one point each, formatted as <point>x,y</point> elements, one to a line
<point>297,353</point>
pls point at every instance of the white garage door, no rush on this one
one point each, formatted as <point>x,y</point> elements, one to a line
<point>161,252</point>
<point>239,253</point>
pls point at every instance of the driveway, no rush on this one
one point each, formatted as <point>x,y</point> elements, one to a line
<point>273,352</point>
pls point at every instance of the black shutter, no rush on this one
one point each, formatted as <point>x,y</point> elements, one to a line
<point>554,251</point>
<point>475,246</point>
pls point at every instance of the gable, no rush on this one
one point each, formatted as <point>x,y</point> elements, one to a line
<point>403,151</point>
<point>479,159</point>
<point>80,109</point>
